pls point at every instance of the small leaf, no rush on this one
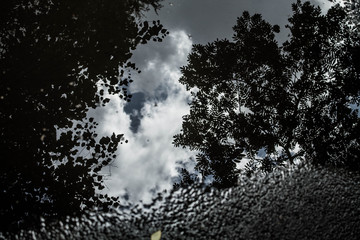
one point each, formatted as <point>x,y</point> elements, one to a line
<point>156,235</point>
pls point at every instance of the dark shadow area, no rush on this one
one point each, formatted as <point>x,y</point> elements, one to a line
<point>58,59</point>
<point>133,108</point>
<point>292,101</point>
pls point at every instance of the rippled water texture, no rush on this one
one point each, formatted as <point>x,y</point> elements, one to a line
<point>301,203</point>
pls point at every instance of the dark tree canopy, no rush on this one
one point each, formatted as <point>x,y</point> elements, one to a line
<point>58,59</point>
<point>291,101</point>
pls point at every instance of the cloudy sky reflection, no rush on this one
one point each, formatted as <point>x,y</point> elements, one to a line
<point>148,162</point>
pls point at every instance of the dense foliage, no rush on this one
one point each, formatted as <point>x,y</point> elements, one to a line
<point>269,103</point>
<point>59,59</point>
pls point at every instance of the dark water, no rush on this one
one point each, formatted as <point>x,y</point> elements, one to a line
<point>53,57</point>
<point>302,203</point>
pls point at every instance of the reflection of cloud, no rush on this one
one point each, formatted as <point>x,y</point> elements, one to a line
<point>324,4</point>
<point>160,64</point>
<point>148,161</point>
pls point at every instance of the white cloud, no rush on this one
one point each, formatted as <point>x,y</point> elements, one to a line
<point>160,63</point>
<point>148,161</point>
<point>325,5</point>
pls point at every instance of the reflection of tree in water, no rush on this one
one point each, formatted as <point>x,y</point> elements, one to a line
<point>53,56</point>
<point>290,101</point>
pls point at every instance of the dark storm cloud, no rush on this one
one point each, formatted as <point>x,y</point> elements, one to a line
<point>207,20</point>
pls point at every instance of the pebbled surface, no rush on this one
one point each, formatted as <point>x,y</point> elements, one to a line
<point>291,203</point>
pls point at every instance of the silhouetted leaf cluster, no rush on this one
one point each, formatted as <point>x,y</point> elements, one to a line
<point>295,101</point>
<point>59,59</point>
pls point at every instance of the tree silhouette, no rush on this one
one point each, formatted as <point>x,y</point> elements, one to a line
<point>59,59</point>
<point>290,102</point>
